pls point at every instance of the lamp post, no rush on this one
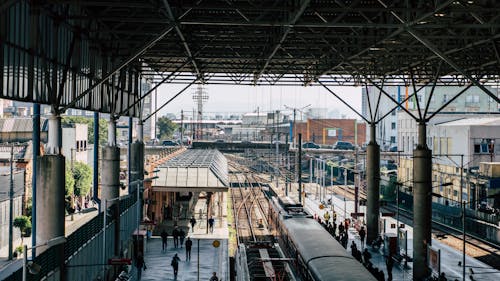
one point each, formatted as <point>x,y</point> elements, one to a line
<point>50,243</point>
<point>463,204</point>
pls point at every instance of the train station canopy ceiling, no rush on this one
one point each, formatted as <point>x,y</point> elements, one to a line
<point>252,42</point>
<point>192,171</point>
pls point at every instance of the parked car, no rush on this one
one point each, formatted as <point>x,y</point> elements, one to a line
<point>169,143</point>
<point>310,145</point>
<point>219,141</point>
<point>344,145</point>
<point>393,148</point>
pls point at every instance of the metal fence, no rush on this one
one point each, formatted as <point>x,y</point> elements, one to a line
<point>84,257</point>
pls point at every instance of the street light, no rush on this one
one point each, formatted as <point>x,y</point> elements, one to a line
<point>35,268</point>
<point>463,204</point>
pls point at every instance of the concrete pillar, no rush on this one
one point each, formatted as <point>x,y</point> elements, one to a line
<point>110,179</point>
<point>110,173</point>
<point>373,186</point>
<point>422,204</point>
<point>136,162</point>
<point>50,182</point>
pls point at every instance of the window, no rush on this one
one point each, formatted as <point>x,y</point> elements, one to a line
<point>445,98</point>
<point>393,113</point>
<point>472,99</point>
<point>393,139</point>
<point>393,125</point>
<point>484,146</point>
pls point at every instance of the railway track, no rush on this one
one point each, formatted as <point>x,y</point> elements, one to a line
<point>250,208</point>
<point>477,247</point>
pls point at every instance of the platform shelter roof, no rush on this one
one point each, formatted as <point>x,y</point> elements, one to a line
<point>192,171</point>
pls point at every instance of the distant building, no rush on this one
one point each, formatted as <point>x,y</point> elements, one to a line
<point>75,143</point>
<point>329,131</point>
<point>18,206</point>
<point>472,101</point>
<point>476,139</point>
<point>20,129</point>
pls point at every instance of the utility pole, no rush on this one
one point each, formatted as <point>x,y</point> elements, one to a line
<point>11,201</point>
<point>182,127</point>
<point>299,162</point>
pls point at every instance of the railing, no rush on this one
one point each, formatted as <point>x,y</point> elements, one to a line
<point>83,248</point>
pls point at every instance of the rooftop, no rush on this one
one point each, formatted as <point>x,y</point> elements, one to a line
<point>487,121</point>
<point>193,170</point>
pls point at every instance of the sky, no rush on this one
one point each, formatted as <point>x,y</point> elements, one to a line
<point>240,99</point>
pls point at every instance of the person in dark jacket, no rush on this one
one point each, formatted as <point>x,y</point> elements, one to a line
<point>188,244</point>
<point>362,234</point>
<point>164,239</point>
<point>389,262</point>
<point>139,264</point>
<point>175,264</point>
<point>175,234</point>
<point>182,236</point>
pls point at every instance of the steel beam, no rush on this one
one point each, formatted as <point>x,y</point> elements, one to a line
<point>120,66</point>
<point>299,13</point>
<point>449,61</point>
<point>183,39</point>
<point>344,102</point>
<point>170,100</point>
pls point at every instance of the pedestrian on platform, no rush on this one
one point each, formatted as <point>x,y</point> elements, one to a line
<point>362,234</point>
<point>327,217</point>
<point>193,222</point>
<point>189,244</point>
<point>344,238</point>
<point>341,228</point>
<point>334,228</point>
<point>139,264</point>
<point>389,262</point>
<point>211,222</point>
<point>175,234</point>
<point>164,239</point>
<point>442,277</point>
<point>182,236</point>
<point>366,256</point>
<point>175,264</point>
<point>214,277</point>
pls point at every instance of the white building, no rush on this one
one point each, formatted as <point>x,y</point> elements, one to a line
<point>75,143</point>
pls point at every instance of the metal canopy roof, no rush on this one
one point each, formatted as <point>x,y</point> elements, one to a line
<point>91,54</point>
<point>193,170</point>
<point>273,42</point>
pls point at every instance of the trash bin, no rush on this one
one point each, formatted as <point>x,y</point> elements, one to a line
<point>139,238</point>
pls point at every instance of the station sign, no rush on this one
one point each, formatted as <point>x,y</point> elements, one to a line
<point>119,261</point>
<point>216,243</point>
<point>388,214</point>
<point>355,215</point>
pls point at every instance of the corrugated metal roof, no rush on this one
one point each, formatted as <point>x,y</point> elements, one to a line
<point>5,183</point>
<point>487,121</point>
<point>20,124</point>
<point>200,169</point>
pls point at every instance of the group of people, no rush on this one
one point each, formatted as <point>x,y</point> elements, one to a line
<point>178,234</point>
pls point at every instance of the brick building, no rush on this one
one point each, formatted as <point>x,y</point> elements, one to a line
<point>329,131</point>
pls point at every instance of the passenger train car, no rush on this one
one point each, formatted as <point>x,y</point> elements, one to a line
<point>318,256</point>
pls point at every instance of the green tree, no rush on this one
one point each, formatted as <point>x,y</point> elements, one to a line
<point>103,127</point>
<point>69,188</point>
<point>24,225</point>
<point>166,127</point>
<point>82,174</point>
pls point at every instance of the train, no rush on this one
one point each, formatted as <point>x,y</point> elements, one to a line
<point>317,255</point>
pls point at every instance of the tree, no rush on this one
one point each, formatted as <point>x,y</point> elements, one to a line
<point>82,174</point>
<point>166,127</point>
<point>69,188</point>
<point>24,225</point>
<point>103,127</point>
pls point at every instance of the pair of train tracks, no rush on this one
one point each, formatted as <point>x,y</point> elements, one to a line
<point>477,247</point>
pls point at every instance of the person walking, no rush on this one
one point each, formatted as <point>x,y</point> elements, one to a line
<point>182,236</point>
<point>164,239</point>
<point>326,216</point>
<point>211,222</point>
<point>175,264</point>
<point>214,277</point>
<point>140,265</point>
<point>362,234</point>
<point>189,244</point>
<point>175,234</point>
<point>193,222</point>
<point>389,262</point>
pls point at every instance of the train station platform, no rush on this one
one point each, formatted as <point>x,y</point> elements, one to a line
<point>210,258</point>
<point>450,257</point>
